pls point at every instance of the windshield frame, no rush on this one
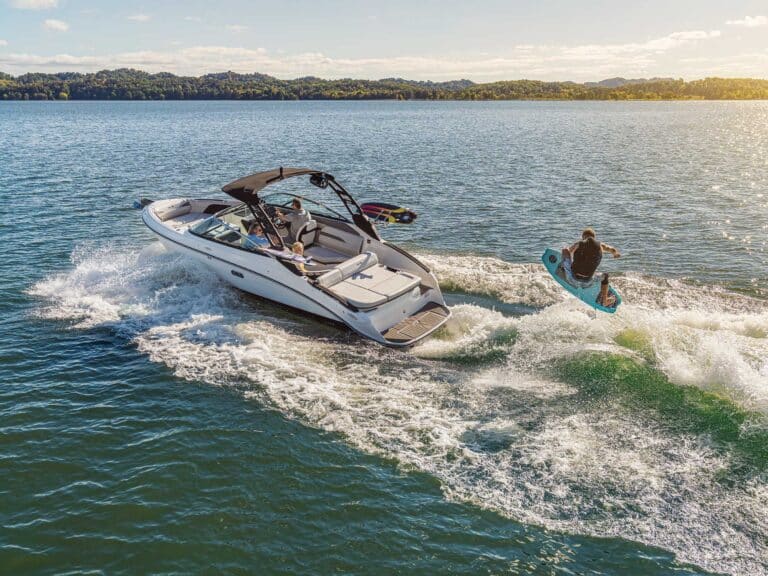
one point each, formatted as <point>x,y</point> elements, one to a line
<point>322,210</point>
<point>258,214</point>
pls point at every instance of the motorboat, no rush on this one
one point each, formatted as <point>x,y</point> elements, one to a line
<point>347,272</point>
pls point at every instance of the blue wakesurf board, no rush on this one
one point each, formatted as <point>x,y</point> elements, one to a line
<point>587,292</point>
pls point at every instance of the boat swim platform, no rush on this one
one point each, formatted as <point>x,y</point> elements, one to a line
<point>417,325</point>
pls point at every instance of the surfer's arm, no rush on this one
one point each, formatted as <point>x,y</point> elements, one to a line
<point>611,249</point>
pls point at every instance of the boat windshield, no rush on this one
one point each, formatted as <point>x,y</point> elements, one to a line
<point>217,229</point>
<point>222,228</point>
<point>284,199</point>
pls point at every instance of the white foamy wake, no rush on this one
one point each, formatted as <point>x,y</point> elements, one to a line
<point>473,406</point>
<point>698,336</point>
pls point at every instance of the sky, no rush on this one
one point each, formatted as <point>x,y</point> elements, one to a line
<point>481,40</point>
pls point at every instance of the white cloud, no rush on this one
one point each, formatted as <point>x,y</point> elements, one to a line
<point>34,4</point>
<point>58,62</point>
<point>3,42</point>
<point>649,47</point>
<point>192,18</point>
<point>139,17</point>
<point>750,22</point>
<point>751,64</point>
<point>57,25</point>
<point>237,28</point>
<point>552,62</point>
<point>204,59</point>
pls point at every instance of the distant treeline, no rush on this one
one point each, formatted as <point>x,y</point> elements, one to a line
<point>126,84</point>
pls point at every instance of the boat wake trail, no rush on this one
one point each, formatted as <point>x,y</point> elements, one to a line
<point>650,424</point>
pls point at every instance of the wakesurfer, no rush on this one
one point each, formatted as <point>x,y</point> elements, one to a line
<point>581,259</point>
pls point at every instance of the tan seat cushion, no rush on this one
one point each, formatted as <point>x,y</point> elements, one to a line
<point>357,296</point>
<point>347,269</point>
<point>385,282</point>
<point>363,283</point>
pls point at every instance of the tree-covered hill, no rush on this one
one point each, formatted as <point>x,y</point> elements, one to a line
<point>127,84</point>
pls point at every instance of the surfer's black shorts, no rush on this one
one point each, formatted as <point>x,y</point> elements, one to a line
<point>567,266</point>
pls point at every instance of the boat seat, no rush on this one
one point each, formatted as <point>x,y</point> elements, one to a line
<point>363,283</point>
<point>387,283</point>
<point>307,233</point>
<point>325,255</point>
<point>342,271</point>
<point>183,219</point>
<point>358,297</point>
<point>174,211</point>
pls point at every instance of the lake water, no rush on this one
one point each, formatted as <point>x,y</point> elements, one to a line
<point>154,420</point>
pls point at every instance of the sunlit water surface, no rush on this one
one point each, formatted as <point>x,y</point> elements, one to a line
<point>152,419</point>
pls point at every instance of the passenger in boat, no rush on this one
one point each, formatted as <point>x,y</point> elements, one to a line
<point>298,249</point>
<point>297,218</point>
<point>581,259</point>
<point>256,237</point>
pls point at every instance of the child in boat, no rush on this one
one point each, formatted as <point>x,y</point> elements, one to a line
<point>298,249</point>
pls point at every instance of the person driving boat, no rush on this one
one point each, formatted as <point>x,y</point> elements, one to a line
<point>295,219</point>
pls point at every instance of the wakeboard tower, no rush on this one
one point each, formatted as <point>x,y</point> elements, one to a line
<point>588,292</point>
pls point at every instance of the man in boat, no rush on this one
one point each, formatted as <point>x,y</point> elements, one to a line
<point>297,218</point>
<point>581,259</point>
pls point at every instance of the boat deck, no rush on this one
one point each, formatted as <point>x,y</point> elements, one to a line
<point>178,222</point>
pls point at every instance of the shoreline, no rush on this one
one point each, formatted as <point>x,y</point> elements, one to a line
<point>615,100</point>
<point>130,85</point>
